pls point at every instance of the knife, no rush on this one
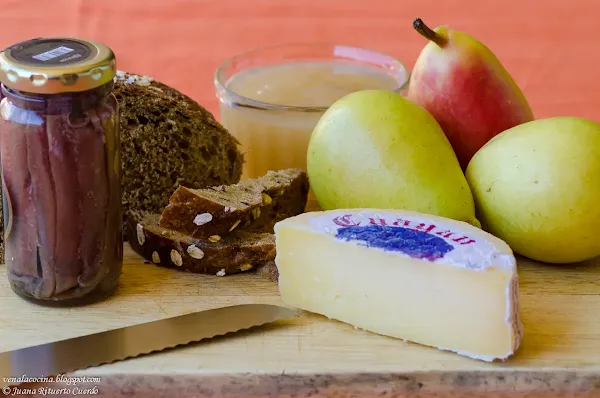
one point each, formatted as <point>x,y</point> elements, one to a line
<point>56,358</point>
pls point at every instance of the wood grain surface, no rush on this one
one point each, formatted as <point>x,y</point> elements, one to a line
<point>560,353</point>
<point>549,47</point>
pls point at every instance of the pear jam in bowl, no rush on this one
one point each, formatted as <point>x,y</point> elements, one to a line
<point>272,98</point>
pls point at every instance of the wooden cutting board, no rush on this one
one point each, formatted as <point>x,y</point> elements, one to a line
<point>560,354</point>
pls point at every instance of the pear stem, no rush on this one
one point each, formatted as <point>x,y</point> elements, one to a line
<point>428,33</point>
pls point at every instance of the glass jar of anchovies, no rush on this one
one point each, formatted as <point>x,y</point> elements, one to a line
<point>61,171</point>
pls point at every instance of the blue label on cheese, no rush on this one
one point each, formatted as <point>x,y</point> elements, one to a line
<point>413,243</point>
<point>413,235</point>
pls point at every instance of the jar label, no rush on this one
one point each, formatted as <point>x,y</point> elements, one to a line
<point>51,52</point>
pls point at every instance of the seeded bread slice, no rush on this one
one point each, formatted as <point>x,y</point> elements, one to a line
<point>167,140</point>
<point>251,205</point>
<point>238,252</point>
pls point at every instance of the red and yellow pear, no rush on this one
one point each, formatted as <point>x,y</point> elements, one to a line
<point>466,89</point>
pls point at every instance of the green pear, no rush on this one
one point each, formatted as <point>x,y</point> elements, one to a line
<point>537,187</point>
<point>377,149</point>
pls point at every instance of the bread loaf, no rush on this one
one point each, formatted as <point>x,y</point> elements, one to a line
<point>251,205</point>
<point>167,140</point>
<point>238,252</point>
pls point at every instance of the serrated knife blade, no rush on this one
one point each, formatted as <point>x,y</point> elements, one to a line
<point>68,355</point>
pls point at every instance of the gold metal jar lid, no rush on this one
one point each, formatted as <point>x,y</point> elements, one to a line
<point>56,65</point>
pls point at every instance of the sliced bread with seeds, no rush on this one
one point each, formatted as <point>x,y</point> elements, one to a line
<point>238,252</point>
<point>251,205</point>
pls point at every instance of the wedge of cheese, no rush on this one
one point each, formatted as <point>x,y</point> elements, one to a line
<point>417,277</point>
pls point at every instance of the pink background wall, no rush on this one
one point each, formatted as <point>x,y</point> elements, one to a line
<point>550,46</point>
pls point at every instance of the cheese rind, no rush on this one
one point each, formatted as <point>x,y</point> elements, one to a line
<point>421,278</point>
